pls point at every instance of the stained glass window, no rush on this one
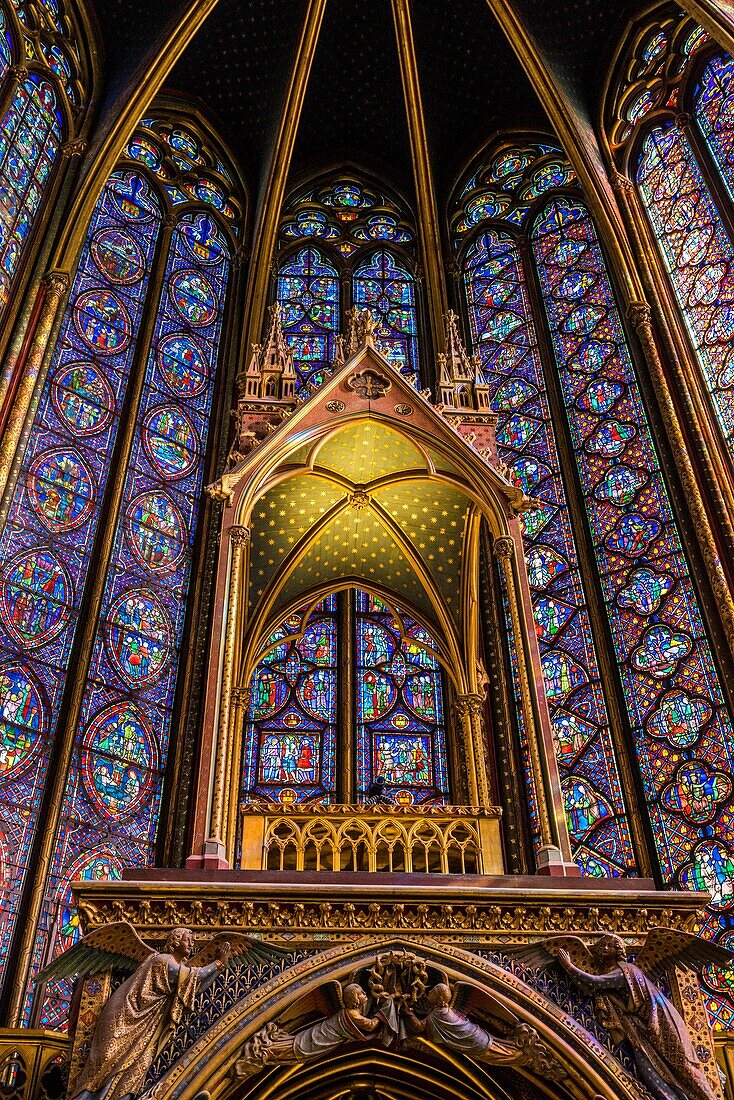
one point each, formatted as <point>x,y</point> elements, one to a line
<point>308,292</point>
<point>698,255</point>
<point>385,287</point>
<point>47,539</point>
<point>292,744</point>
<point>714,113</point>
<point>290,741</point>
<point>113,791</point>
<point>400,720</point>
<point>30,137</point>
<point>682,733</point>
<point>504,333</point>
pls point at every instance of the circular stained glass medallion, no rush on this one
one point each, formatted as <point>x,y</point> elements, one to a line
<point>170,440</point>
<point>156,531</point>
<point>83,398</point>
<point>119,760</point>
<point>35,594</point>
<point>139,637</point>
<point>194,298</point>
<point>183,365</point>
<point>61,490</point>
<point>117,255</point>
<point>22,718</point>
<point>102,322</point>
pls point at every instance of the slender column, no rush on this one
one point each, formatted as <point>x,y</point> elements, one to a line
<point>430,239</point>
<point>640,316</point>
<point>75,687</point>
<point>717,16</point>
<point>554,855</point>
<point>239,538</point>
<point>266,227</point>
<point>55,287</point>
<point>347,731</point>
<point>240,706</point>
<point>470,712</point>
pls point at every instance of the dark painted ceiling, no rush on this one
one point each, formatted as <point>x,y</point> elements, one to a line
<point>238,66</point>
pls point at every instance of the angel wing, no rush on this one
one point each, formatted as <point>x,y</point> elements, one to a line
<point>666,947</point>
<point>322,1002</point>
<point>471,1000</point>
<point>248,950</point>
<point>115,945</point>
<point>543,953</point>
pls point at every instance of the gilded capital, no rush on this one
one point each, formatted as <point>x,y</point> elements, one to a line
<point>504,548</point>
<point>239,535</point>
<point>640,314</point>
<point>18,72</point>
<point>620,182</point>
<point>470,705</point>
<point>56,283</point>
<point>76,148</point>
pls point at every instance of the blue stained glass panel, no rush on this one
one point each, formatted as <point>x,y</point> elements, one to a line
<point>698,255</point>
<point>30,136</point>
<point>111,805</point>
<point>714,112</point>
<point>47,538</point>
<point>290,741</point>
<point>385,287</point>
<point>670,682</point>
<point>308,293</point>
<point>504,334</point>
<point>401,732</point>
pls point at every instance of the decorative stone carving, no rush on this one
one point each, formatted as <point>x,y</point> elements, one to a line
<point>135,1021</point>
<point>631,1005</point>
<point>369,384</point>
<point>396,1010</point>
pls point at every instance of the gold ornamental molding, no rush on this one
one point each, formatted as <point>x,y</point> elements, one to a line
<point>476,910</point>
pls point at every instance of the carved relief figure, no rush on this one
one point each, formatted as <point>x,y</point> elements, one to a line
<point>348,1024</point>
<point>137,1019</point>
<point>631,1005</point>
<point>446,1026</point>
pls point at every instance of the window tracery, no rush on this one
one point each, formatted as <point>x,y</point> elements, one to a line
<point>292,747</point>
<point>340,224</point>
<point>40,97</point>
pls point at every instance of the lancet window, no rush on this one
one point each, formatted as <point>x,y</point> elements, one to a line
<point>113,472</point>
<point>355,247</point>
<point>674,140</point>
<point>355,655</point>
<point>40,90</point>
<point>564,383</point>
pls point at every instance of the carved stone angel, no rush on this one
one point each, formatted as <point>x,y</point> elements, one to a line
<point>446,1025</point>
<point>288,1041</point>
<point>136,1020</point>
<point>631,1006</point>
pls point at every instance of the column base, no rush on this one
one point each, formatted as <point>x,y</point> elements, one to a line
<point>550,862</point>
<point>213,857</point>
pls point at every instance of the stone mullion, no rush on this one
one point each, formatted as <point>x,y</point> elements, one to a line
<point>717,16</point>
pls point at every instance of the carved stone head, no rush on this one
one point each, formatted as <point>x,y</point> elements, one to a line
<point>440,996</point>
<point>180,941</point>
<point>354,996</point>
